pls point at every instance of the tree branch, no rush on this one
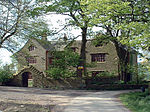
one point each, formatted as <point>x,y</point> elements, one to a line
<point>62,29</point>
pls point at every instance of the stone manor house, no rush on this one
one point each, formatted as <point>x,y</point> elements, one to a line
<point>35,57</point>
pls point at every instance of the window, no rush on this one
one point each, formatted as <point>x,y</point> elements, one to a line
<point>31,59</point>
<point>98,57</point>
<point>31,48</point>
<point>50,60</point>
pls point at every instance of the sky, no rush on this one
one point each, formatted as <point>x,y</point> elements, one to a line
<point>55,21</point>
<point>5,56</point>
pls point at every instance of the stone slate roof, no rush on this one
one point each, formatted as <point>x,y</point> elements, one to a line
<point>52,45</point>
<point>45,44</point>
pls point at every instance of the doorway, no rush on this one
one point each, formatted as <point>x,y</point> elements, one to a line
<point>26,79</point>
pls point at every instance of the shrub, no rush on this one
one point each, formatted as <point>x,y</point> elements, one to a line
<point>63,64</point>
<point>5,76</point>
<point>106,74</point>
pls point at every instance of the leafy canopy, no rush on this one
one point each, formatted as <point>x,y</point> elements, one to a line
<point>126,21</point>
<point>63,63</point>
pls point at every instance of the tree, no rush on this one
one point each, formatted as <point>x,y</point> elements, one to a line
<point>62,64</point>
<point>124,22</point>
<point>12,14</point>
<point>76,18</point>
<point>6,73</point>
<point>17,26</point>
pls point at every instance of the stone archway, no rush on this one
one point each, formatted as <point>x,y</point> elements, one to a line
<point>27,79</point>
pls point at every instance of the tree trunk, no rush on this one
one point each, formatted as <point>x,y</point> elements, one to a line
<point>83,53</point>
<point>123,61</point>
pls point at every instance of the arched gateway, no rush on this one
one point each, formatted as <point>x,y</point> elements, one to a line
<point>29,76</point>
<point>27,79</point>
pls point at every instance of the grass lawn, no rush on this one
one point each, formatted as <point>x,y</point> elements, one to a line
<point>136,101</point>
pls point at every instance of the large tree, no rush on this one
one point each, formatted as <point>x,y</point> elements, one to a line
<point>16,26</point>
<point>11,14</point>
<point>76,18</point>
<point>125,22</point>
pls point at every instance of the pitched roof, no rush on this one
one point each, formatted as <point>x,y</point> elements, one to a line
<point>45,44</point>
<point>52,45</point>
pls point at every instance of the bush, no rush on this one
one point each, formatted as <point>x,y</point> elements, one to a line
<point>106,74</point>
<point>58,73</point>
<point>62,64</point>
<point>5,76</point>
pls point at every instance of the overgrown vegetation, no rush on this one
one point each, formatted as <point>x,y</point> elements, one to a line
<point>106,74</point>
<point>136,101</point>
<point>5,75</point>
<point>62,64</point>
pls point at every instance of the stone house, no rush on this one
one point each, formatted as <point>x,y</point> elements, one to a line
<point>35,57</point>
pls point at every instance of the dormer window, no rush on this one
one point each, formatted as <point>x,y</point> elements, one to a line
<point>31,48</point>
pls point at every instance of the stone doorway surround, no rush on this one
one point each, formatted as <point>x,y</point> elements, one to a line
<point>27,80</point>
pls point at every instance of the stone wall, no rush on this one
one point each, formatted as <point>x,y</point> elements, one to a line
<point>39,53</point>
<point>111,63</point>
<point>39,80</point>
<point>70,83</point>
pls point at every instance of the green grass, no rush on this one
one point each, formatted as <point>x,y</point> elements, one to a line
<point>30,83</point>
<point>136,101</point>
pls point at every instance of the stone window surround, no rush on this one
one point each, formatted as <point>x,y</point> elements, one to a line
<point>31,59</point>
<point>31,48</point>
<point>98,57</point>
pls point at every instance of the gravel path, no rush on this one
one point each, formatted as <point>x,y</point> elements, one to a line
<point>104,101</point>
<point>18,99</point>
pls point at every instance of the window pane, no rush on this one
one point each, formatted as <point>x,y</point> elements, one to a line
<point>31,48</point>
<point>31,59</point>
<point>50,61</point>
<point>98,57</point>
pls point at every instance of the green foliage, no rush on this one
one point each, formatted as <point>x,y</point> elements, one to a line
<point>136,101</point>
<point>62,64</point>
<point>105,74</point>
<point>124,21</point>
<point>5,75</point>
<point>71,8</point>
<point>11,28</point>
<point>139,72</point>
<point>6,72</point>
<point>101,39</point>
<point>119,82</point>
<point>35,28</point>
<point>143,72</point>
